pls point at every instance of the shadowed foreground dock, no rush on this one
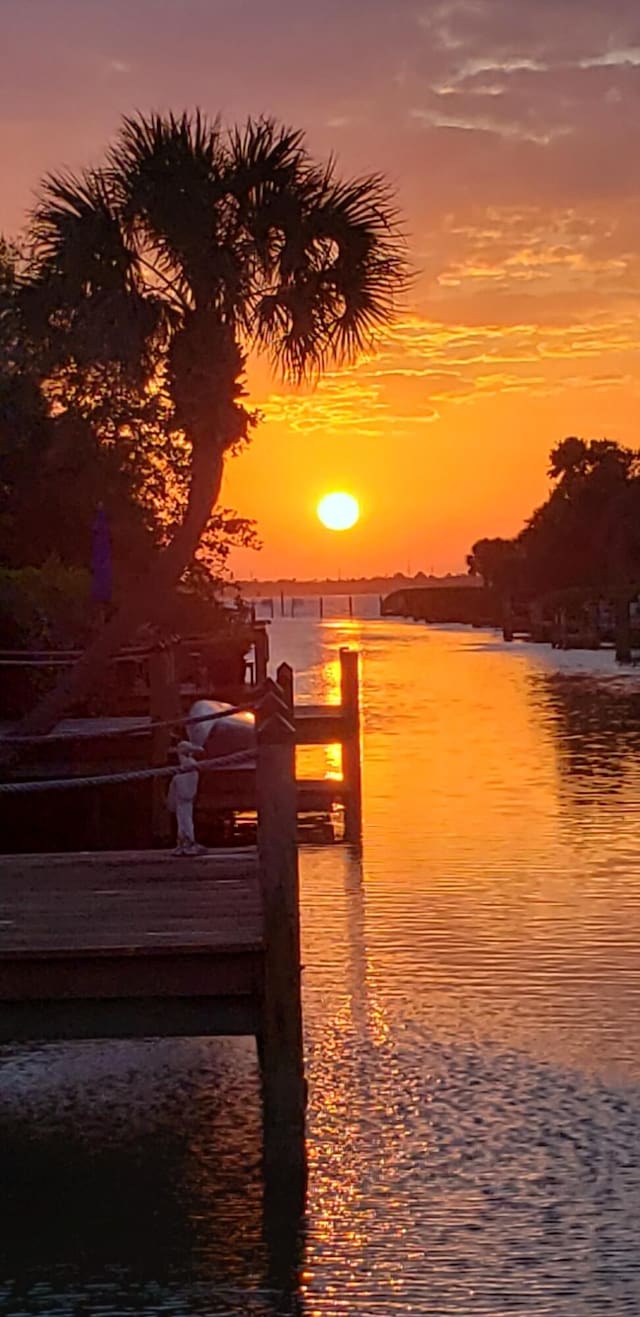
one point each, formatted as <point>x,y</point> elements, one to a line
<point>145,944</point>
<point>125,944</point>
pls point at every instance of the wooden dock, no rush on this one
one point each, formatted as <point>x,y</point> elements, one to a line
<point>147,944</point>
<point>106,945</point>
<point>136,815</point>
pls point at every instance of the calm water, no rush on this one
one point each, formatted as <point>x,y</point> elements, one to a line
<point>472,1013</point>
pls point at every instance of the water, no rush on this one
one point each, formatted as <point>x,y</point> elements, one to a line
<point>472,1014</point>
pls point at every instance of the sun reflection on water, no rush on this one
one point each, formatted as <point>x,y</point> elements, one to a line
<point>472,1031</point>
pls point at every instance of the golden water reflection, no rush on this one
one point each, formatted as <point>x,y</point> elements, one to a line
<point>472,1033</point>
<point>472,997</point>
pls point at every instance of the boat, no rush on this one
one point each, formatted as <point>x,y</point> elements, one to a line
<point>221,735</point>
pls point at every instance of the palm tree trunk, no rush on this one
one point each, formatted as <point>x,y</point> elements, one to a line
<point>138,606</point>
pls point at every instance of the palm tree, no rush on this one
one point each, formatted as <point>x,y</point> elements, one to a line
<point>190,247</point>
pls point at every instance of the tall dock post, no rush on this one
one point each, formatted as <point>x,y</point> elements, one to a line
<point>507,619</point>
<point>284,679</point>
<point>280,1044</point>
<point>164,704</point>
<point>351,748</point>
<point>623,628</point>
<point>261,652</point>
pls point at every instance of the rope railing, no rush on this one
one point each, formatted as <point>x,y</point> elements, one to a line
<point>127,652</point>
<point>130,653</point>
<point>150,725</point>
<point>240,759</point>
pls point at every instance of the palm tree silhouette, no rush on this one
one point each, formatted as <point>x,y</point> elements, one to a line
<point>187,249</point>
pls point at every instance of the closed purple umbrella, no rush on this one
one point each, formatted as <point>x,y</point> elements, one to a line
<point>101,563</point>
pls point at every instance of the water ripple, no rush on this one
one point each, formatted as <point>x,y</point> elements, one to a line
<point>472,1017</point>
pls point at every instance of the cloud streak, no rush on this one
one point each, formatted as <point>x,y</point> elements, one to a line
<point>511,132</point>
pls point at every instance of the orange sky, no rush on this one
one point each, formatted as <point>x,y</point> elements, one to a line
<point>512,135</point>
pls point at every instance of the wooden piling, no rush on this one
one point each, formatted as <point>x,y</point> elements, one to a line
<point>261,650</point>
<point>536,621</point>
<point>280,1044</point>
<point>164,703</point>
<point>350,605</point>
<point>284,679</point>
<point>351,750</point>
<point>507,620</point>
<point>623,629</point>
<point>321,606</point>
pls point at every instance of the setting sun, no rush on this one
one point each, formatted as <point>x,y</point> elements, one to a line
<point>338,511</point>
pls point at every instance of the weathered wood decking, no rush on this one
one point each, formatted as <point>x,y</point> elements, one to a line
<point>148,944</point>
<point>128,944</point>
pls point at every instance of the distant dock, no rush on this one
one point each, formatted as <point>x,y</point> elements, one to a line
<point>571,618</point>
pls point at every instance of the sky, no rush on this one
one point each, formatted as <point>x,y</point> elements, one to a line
<point>510,133</point>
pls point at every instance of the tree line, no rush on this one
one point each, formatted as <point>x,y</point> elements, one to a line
<point>126,318</point>
<point>584,537</point>
<point>75,438</point>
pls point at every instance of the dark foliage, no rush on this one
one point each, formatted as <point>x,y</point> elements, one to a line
<point>586,535</point>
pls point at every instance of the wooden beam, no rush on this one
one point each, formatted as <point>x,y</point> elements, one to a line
<point>623,628</point>
<point>261,651</point>
<point>121,1017</point>
<point>131,973</point>
<point>280,1043</point>
<point>164,704</point>
<point>284,678</point>
<point>316,726</point>
<point>351,745</point>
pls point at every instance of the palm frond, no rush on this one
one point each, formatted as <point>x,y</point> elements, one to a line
<point>77,235</point>
<point>168,174</point>
<point>263,162</point>
<point>337,269</point>
<point>241,230</point>
<point>87,290</point>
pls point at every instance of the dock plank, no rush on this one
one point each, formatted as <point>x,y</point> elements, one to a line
<point>142,944</point>
<point>129,903</point>
<point>318,724</point>
<point>130,944</point>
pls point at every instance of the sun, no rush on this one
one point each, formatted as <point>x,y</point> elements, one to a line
<point>338,511</point>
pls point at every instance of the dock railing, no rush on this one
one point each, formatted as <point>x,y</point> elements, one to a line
<point>143,944</point>
<point>134,749</point>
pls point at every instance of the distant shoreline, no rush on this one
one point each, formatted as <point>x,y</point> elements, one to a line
<point>380,585</point>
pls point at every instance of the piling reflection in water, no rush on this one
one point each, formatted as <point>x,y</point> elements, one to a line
<point>121,1159</point>
<point>472,1021</point>
<point>488,1133</point>
<point>131,1175</point>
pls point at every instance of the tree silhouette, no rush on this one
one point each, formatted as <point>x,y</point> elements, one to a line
<point>189,247</point>
<point>72,439</point>
<point>497,561</point>
<point>586,534</point>
<point>569,540</point>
